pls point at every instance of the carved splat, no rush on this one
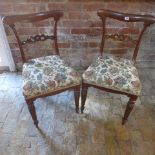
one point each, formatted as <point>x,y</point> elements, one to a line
<point>147,20</point>
<point>36,38</point>
<point>119,37</point>
<point>11,20</point>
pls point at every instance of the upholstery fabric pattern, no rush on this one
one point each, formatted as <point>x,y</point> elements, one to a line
<point>114,73</point>
<point>47,74</point>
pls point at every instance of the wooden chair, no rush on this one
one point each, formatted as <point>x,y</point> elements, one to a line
<point>44,76</point>
<point>113,74</point>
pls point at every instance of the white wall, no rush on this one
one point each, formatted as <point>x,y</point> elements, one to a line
<point>5,52</point>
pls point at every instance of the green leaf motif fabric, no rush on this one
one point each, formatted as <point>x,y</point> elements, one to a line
<point>46,75</point>
<point>114,73</point>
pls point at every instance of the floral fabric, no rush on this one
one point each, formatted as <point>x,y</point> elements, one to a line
<point>114,73</point>
<point>47,74</point>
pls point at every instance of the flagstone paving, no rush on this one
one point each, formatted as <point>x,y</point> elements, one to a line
<point>63,132</point>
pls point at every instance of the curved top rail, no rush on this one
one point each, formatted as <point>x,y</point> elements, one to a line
<point>125,16</point>
<point>12,19</point>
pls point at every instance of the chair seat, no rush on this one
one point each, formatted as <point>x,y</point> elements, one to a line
<point>46,75</point>
<point>114,73</point>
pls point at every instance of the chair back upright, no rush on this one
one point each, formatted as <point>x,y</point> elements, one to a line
<point>35,17</point>
<point>147,20</point>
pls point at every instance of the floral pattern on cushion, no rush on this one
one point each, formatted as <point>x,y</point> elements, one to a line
<point>47,74</point>
<point>114,73</point>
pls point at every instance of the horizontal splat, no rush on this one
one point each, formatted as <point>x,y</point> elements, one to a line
<point>119,37</point>
<point>36,38</point>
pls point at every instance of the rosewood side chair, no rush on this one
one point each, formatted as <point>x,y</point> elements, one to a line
<point>113,74</point>
<point>44,76</point>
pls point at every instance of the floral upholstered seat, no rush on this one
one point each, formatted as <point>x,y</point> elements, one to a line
<point>113,73</point>
<point>47,74</point>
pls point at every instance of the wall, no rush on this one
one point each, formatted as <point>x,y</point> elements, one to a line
<point>80,29</point>
<point>6,60</point>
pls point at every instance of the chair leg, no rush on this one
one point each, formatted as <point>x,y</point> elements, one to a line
<point>32,111</point>
<point>129,108</point>
<point>76,97</point>
<point>83,96</point>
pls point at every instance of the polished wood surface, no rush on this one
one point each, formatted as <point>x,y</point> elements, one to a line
<point>36,38</point>
<point>35,17</point>
<point>124,17</point>
<point>56,15</point>
<point>102,13</point>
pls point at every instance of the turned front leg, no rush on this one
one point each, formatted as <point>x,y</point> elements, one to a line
<point>129,108</point>
<point>83,97</point>
<point>76,97</point>
<point>32,111</point>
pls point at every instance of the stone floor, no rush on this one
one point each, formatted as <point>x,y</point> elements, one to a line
<point>63,132</point>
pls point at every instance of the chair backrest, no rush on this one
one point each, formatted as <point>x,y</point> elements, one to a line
<point>35,17</point>
<point>146,19</point>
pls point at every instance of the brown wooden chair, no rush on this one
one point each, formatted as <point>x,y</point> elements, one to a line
<point>44,76</point>
<point>113,74</point>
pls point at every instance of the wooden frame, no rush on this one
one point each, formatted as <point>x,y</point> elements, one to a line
<point>56,15</point>
<point>104,14</point>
